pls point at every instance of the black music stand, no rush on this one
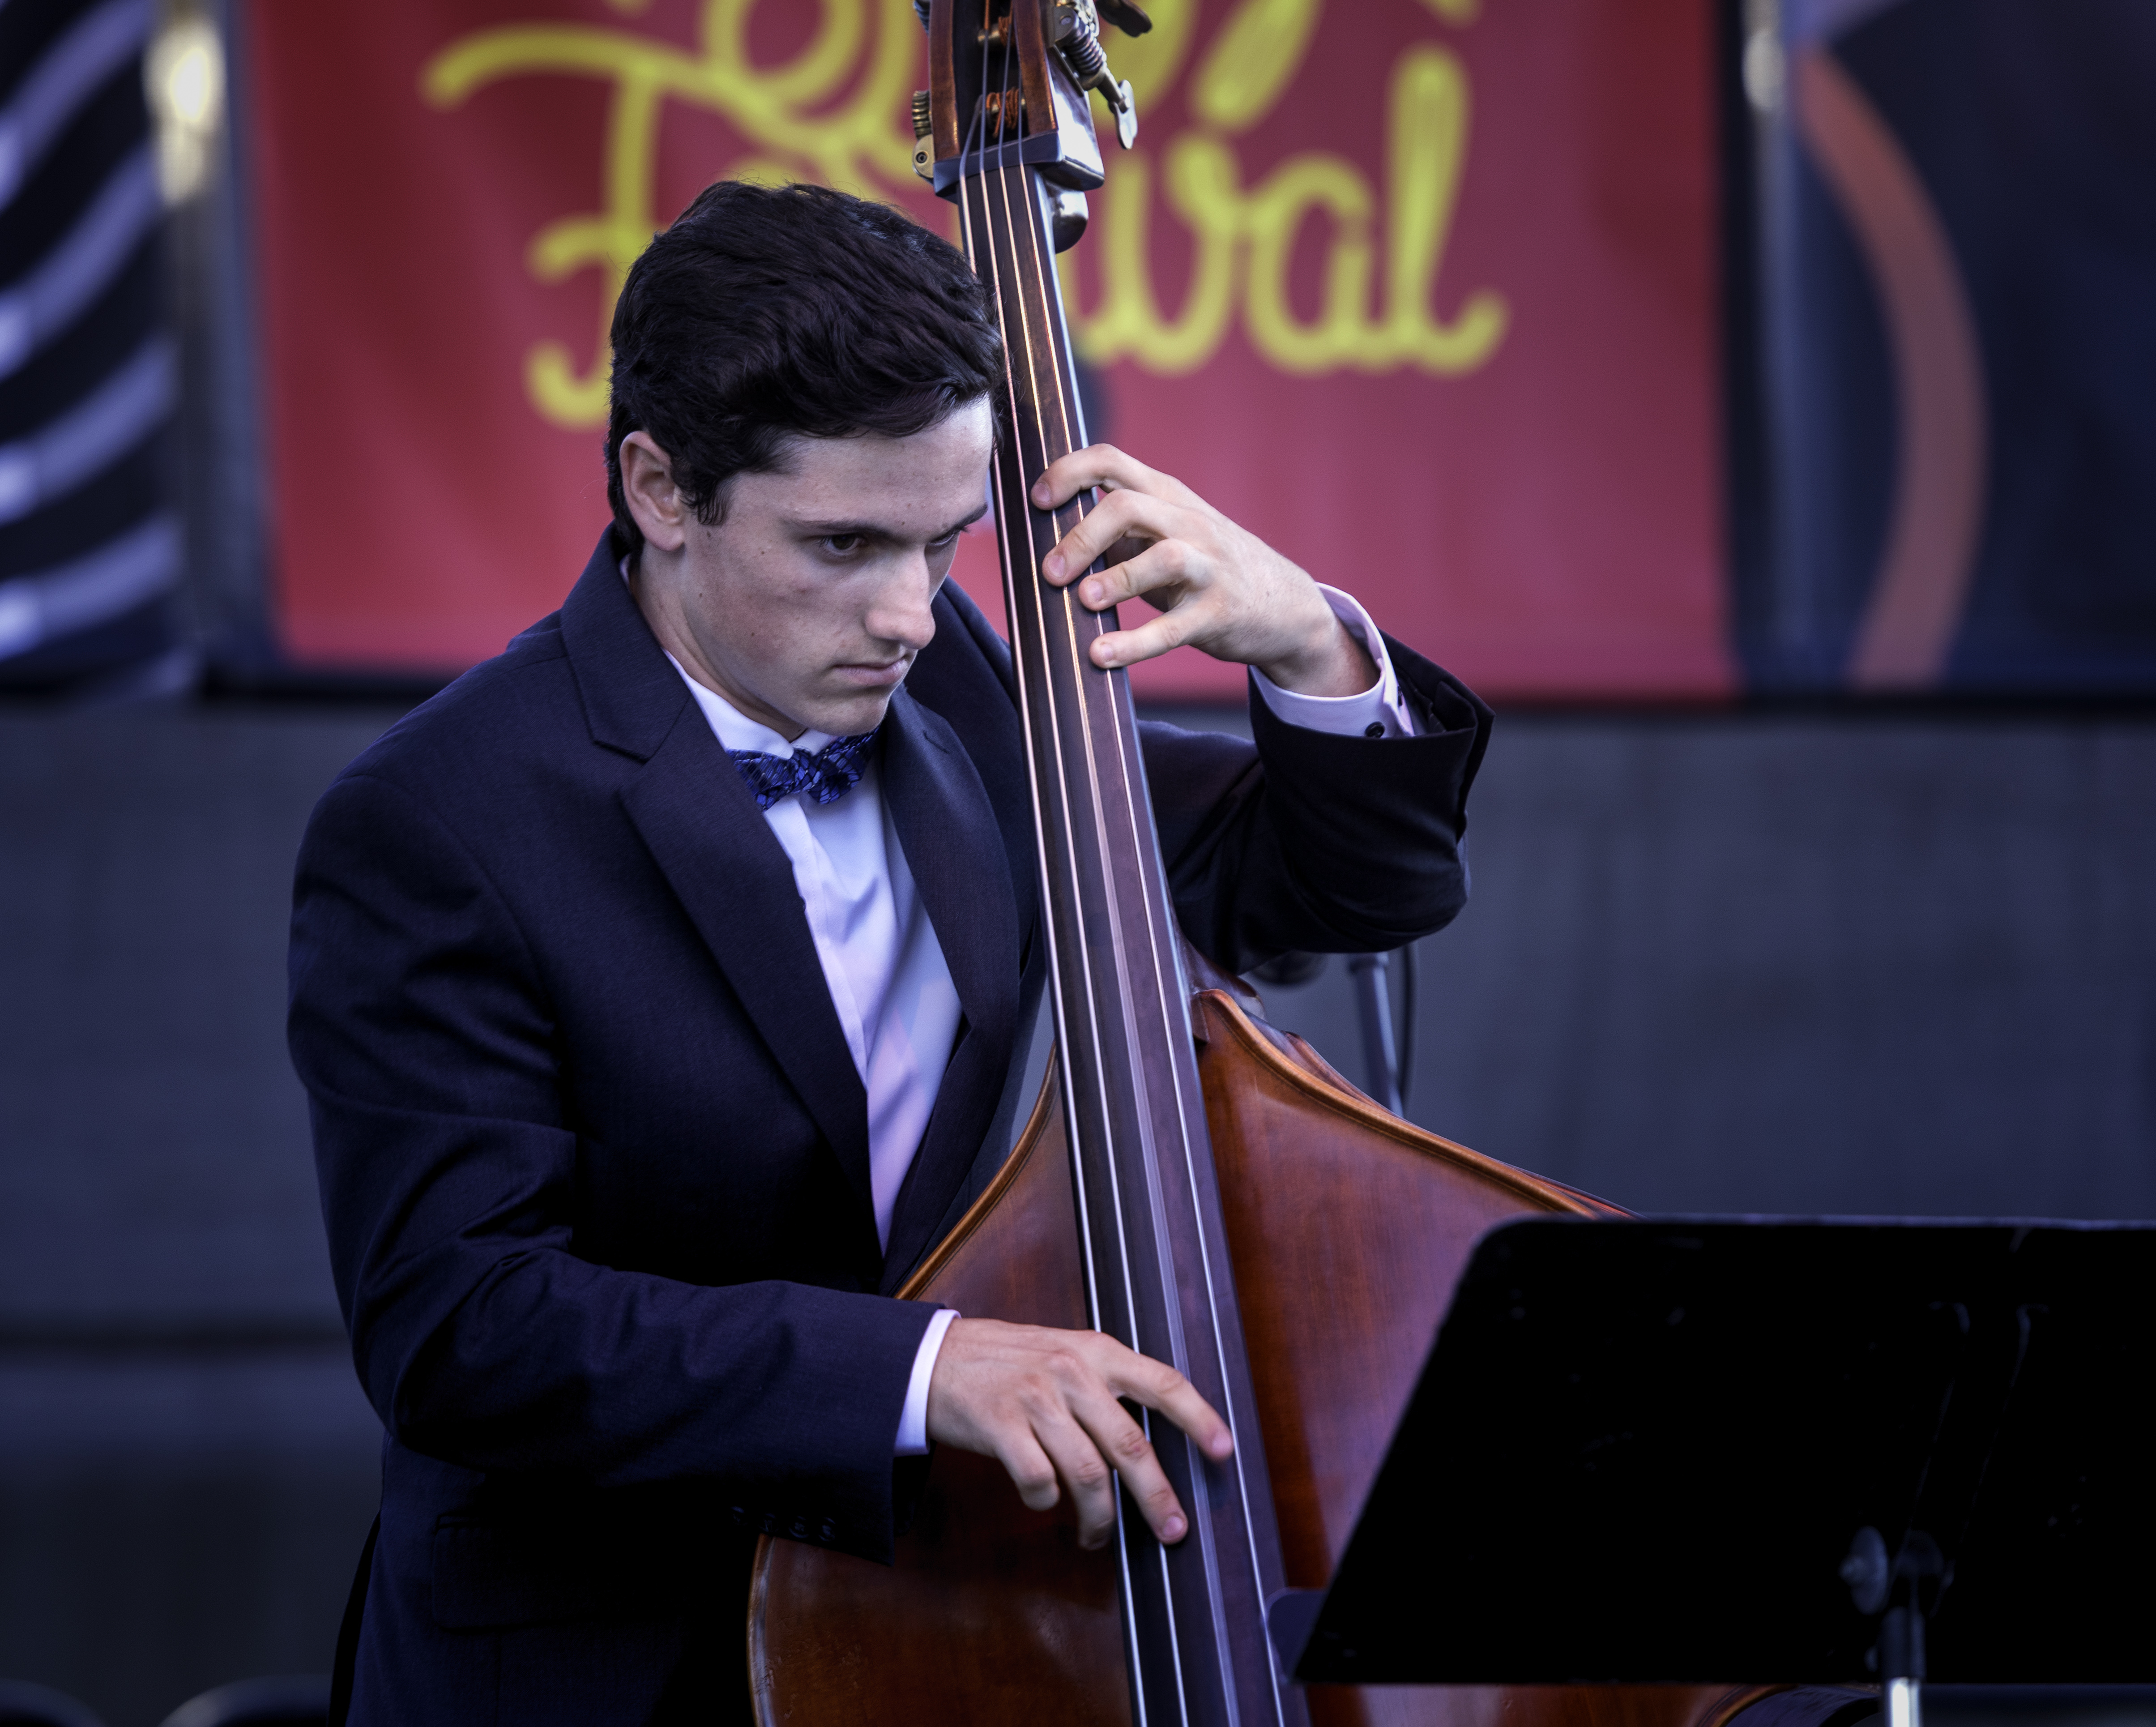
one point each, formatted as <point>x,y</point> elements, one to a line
<point>1678,1450</point>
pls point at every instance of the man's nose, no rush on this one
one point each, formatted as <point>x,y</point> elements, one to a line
<point>901,613</point>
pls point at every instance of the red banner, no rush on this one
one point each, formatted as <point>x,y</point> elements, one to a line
<point>1421,291</point>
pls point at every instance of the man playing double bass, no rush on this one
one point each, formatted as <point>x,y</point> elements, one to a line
<point>663,987</point>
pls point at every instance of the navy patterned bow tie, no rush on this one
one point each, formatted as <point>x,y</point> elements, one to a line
<point>826,776</point>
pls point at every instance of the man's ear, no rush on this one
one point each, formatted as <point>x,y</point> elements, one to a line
<point>647,482</point>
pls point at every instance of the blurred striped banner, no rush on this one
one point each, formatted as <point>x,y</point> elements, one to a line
<point>90,549</point>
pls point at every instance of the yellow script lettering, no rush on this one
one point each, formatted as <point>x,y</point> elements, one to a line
<point>1246,239</point>
<point>1383,257</point>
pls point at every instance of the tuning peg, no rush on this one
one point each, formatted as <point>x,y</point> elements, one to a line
<point>924,141</point>
<point>1077,32</point>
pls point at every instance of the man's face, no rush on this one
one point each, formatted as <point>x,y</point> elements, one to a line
<point>806,606</point>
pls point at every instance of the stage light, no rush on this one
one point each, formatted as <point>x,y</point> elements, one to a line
<point>183,76</point>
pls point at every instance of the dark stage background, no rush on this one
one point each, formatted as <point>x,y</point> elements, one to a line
<point>1801,964</point>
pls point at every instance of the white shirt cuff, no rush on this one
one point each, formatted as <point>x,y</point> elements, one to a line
<point>913,1419</point>
<point>1377,712</point>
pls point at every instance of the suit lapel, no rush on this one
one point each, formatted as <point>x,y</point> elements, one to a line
<point>956,853</point>
<point>702,827</point>
<point>954,848</point>
<point>733,876</point>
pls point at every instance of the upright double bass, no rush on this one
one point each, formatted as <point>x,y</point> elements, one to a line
<point>1191,1181</point>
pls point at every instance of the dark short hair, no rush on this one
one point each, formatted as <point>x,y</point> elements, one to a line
<point>766,313</point>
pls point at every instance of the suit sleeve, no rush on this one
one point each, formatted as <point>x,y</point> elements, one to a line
<point>421,1027</point>
<point>1316,842</point>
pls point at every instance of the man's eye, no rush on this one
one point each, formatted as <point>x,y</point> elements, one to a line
<point>842,545</point>
<point>949,539</point>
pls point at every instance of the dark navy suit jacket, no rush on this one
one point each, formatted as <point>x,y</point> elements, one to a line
<point>594,1156</point>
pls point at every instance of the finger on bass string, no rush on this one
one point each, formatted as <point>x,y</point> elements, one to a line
<point>1160,1388</point>
<point>1119,516</point>
<point>1123,1444</point>
<point>1103,465</point>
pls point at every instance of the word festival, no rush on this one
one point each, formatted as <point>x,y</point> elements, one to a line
<point>836,112</point>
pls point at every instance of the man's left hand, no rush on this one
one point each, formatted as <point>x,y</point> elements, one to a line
<point>1219,589</point>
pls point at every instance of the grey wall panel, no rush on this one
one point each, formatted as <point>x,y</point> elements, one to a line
<point>187,1465</point>
<point>153,1161</point>
<point>1802,965</point>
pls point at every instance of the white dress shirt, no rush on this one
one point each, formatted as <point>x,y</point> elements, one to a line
<point>882,962</point>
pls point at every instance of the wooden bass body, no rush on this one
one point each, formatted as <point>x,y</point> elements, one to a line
<point>1348,1229</point>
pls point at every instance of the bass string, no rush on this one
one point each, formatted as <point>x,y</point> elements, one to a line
<point>1010,178</point>
<point>1165,965</point>
<point>1166,980</point>
<point>985,255</point>
<point>1030,585</point>
<point>1021,308</point>
<point>981,242</point>
<point>1112,714</point>
<point>1025,582</point>
<point>1007,179</point>
<point>1005,176</point>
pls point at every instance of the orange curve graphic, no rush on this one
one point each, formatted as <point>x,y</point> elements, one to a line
<point>1917,601</point>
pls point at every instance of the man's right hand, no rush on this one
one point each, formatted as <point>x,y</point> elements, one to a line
<point>1046,1405</point>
